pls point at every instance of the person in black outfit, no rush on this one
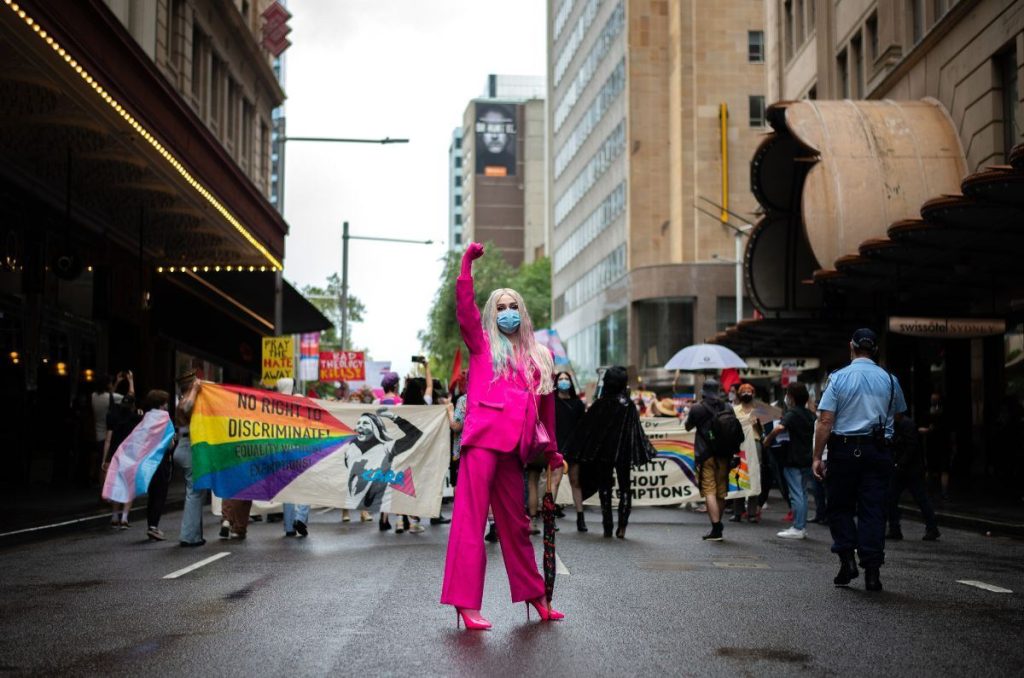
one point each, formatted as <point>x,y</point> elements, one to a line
<point>610,438</point>
<point>122,418</point>
<point>569,409</point>
<point>909,475</point>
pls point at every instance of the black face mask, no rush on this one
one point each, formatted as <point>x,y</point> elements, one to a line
<point>746,397</point>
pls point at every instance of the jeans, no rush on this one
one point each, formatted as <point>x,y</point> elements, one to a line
<point>901,480</point>
<point>293,512</point>
<point>192,516</point>
<point>797,480</point>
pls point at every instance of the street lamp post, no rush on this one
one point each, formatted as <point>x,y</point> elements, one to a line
<point>345,237</point>
<point>739,232</point>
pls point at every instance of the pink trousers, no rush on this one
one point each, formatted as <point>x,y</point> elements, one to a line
<point>495,479</point>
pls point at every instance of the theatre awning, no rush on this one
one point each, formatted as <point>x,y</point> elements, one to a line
<point>90,124</point>
<point>250,297</point>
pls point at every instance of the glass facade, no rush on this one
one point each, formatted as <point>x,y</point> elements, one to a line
<point>562,16</point>
<point>612,28</point>
<point>607,271</point>
<point>603,343</point>
<point>610,91</point>
<point>606,213</point>
<point>588,176</point>
<point>664,327</point>
<point>579,32</point>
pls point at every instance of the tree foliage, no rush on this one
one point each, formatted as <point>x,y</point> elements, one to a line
<point>328,300</point>
<point>442,337</point>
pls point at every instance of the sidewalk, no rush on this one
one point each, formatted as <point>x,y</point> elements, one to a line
<point>982,508</point>
<point>41,512</point>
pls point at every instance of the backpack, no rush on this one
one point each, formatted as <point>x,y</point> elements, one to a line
<point>724,434</point>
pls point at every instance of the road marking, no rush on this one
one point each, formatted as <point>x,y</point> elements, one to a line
<point>196,566</point>
<point>560,567</point>
<point>740,566</point>
<point>982,585</point>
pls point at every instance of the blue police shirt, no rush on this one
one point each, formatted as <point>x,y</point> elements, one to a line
<point>858,395</point>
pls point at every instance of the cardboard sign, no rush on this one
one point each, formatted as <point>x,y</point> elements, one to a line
<point>278,359</point>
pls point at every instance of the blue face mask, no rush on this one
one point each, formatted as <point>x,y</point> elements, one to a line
<point>508,321</point>
<point>564,384</point>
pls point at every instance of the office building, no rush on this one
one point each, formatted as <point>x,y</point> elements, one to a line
<point>503,168</point>
<point>655,108</point>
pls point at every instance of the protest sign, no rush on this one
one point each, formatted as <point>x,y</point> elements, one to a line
<point>250,444</point>
<point>342,366</point>
<point>309,356</point>
<point>278,359</point>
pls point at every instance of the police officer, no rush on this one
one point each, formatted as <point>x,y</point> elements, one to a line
<point>855,420</point>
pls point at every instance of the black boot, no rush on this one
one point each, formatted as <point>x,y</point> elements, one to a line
<point>847,570</point>
<point>871,580</point>
<point>625,508</point>
<point>715,534</point>
<point>581,524</point>
<point>606,511</point>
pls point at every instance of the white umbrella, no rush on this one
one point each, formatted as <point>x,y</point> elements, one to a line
<point>705,357</point>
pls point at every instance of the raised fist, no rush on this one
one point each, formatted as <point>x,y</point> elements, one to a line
<point>475,250</point>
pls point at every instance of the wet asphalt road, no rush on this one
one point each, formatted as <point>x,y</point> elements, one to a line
<point>352,601</point>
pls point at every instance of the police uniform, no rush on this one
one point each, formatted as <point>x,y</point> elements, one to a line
<point>864,398</point>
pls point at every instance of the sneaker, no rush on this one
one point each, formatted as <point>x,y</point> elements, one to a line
<point>301,528</point>
<point>533,526</point>
<point>191,544</point>
<point>365,517</point>
<point>440,520</point>
<point>416,528</point>
<point>155,534</point>
<point>225,530</point>
<point>931,535</point>
<point>290,534</point>
<point>792,533</point>
<point>235,535</point>
<point>124,525</point>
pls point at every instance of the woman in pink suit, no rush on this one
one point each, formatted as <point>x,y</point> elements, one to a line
<point>510,390</point>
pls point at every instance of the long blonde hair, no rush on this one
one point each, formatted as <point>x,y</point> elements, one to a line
<point>506,354</point>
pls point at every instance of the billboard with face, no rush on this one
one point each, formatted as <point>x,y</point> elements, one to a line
<point>495,139</point>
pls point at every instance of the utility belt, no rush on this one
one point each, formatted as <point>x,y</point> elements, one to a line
<point>856,446</point>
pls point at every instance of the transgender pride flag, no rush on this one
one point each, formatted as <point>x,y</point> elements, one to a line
<point>138,457</point>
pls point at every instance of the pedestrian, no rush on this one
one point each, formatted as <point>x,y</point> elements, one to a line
<point>941,444</point>
<point>569,410</point>
<point>191,533</point>
<point>156,495</point>
<point>104,397</point>
<point>296,516</point>
<point>389,382</point>
<point>909,475</point>
<point>798,422</point>
<point>610,439</point>
<point>751,449</point>
<point>855,421</point>
<point>417,391</point>
<point>122,418</point>
<point>510,416</point>
<point>719,436</point>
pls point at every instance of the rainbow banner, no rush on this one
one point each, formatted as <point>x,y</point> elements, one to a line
<point>254,444</point>
<point>670,478</point>
<point>137,458</point>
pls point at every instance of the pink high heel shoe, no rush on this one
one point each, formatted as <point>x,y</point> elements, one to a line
<point>473,622</point>
<point>544,609</point>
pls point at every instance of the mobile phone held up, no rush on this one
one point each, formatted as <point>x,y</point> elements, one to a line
<point>419,359</point>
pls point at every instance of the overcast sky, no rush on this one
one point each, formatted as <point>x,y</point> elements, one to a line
<point>398,68</point>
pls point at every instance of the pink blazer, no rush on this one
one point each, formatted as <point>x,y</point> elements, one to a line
<point>500,413</point>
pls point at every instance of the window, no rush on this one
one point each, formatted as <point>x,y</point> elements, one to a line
<point>175,32</point>
<point>755,47</point>
<point>458,162</point>
<point>725,312</point>
<point>663,327</point>
<point>856,57</point>
<point>458,180</point>
<point>199,69</point>
<point>871,27</point>
<point>916,20</point>
<point>603,101</point>
<point>940,7</point>
<point>458,238</point>
<point>217,92</point>
<point>594,225</point>
<point>757,111</point>
<point>247,135</point>
<point>458,220</point>
<point>602,45</point>
<point>458,201</point>
<point>843,72</point>
<point>1006,74</point>
<point>599,163</point>
<point>798,20</point>
<point>232,110</point>
<point>787,27</point>
<point>264,153</point>
<point>600,344</point>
